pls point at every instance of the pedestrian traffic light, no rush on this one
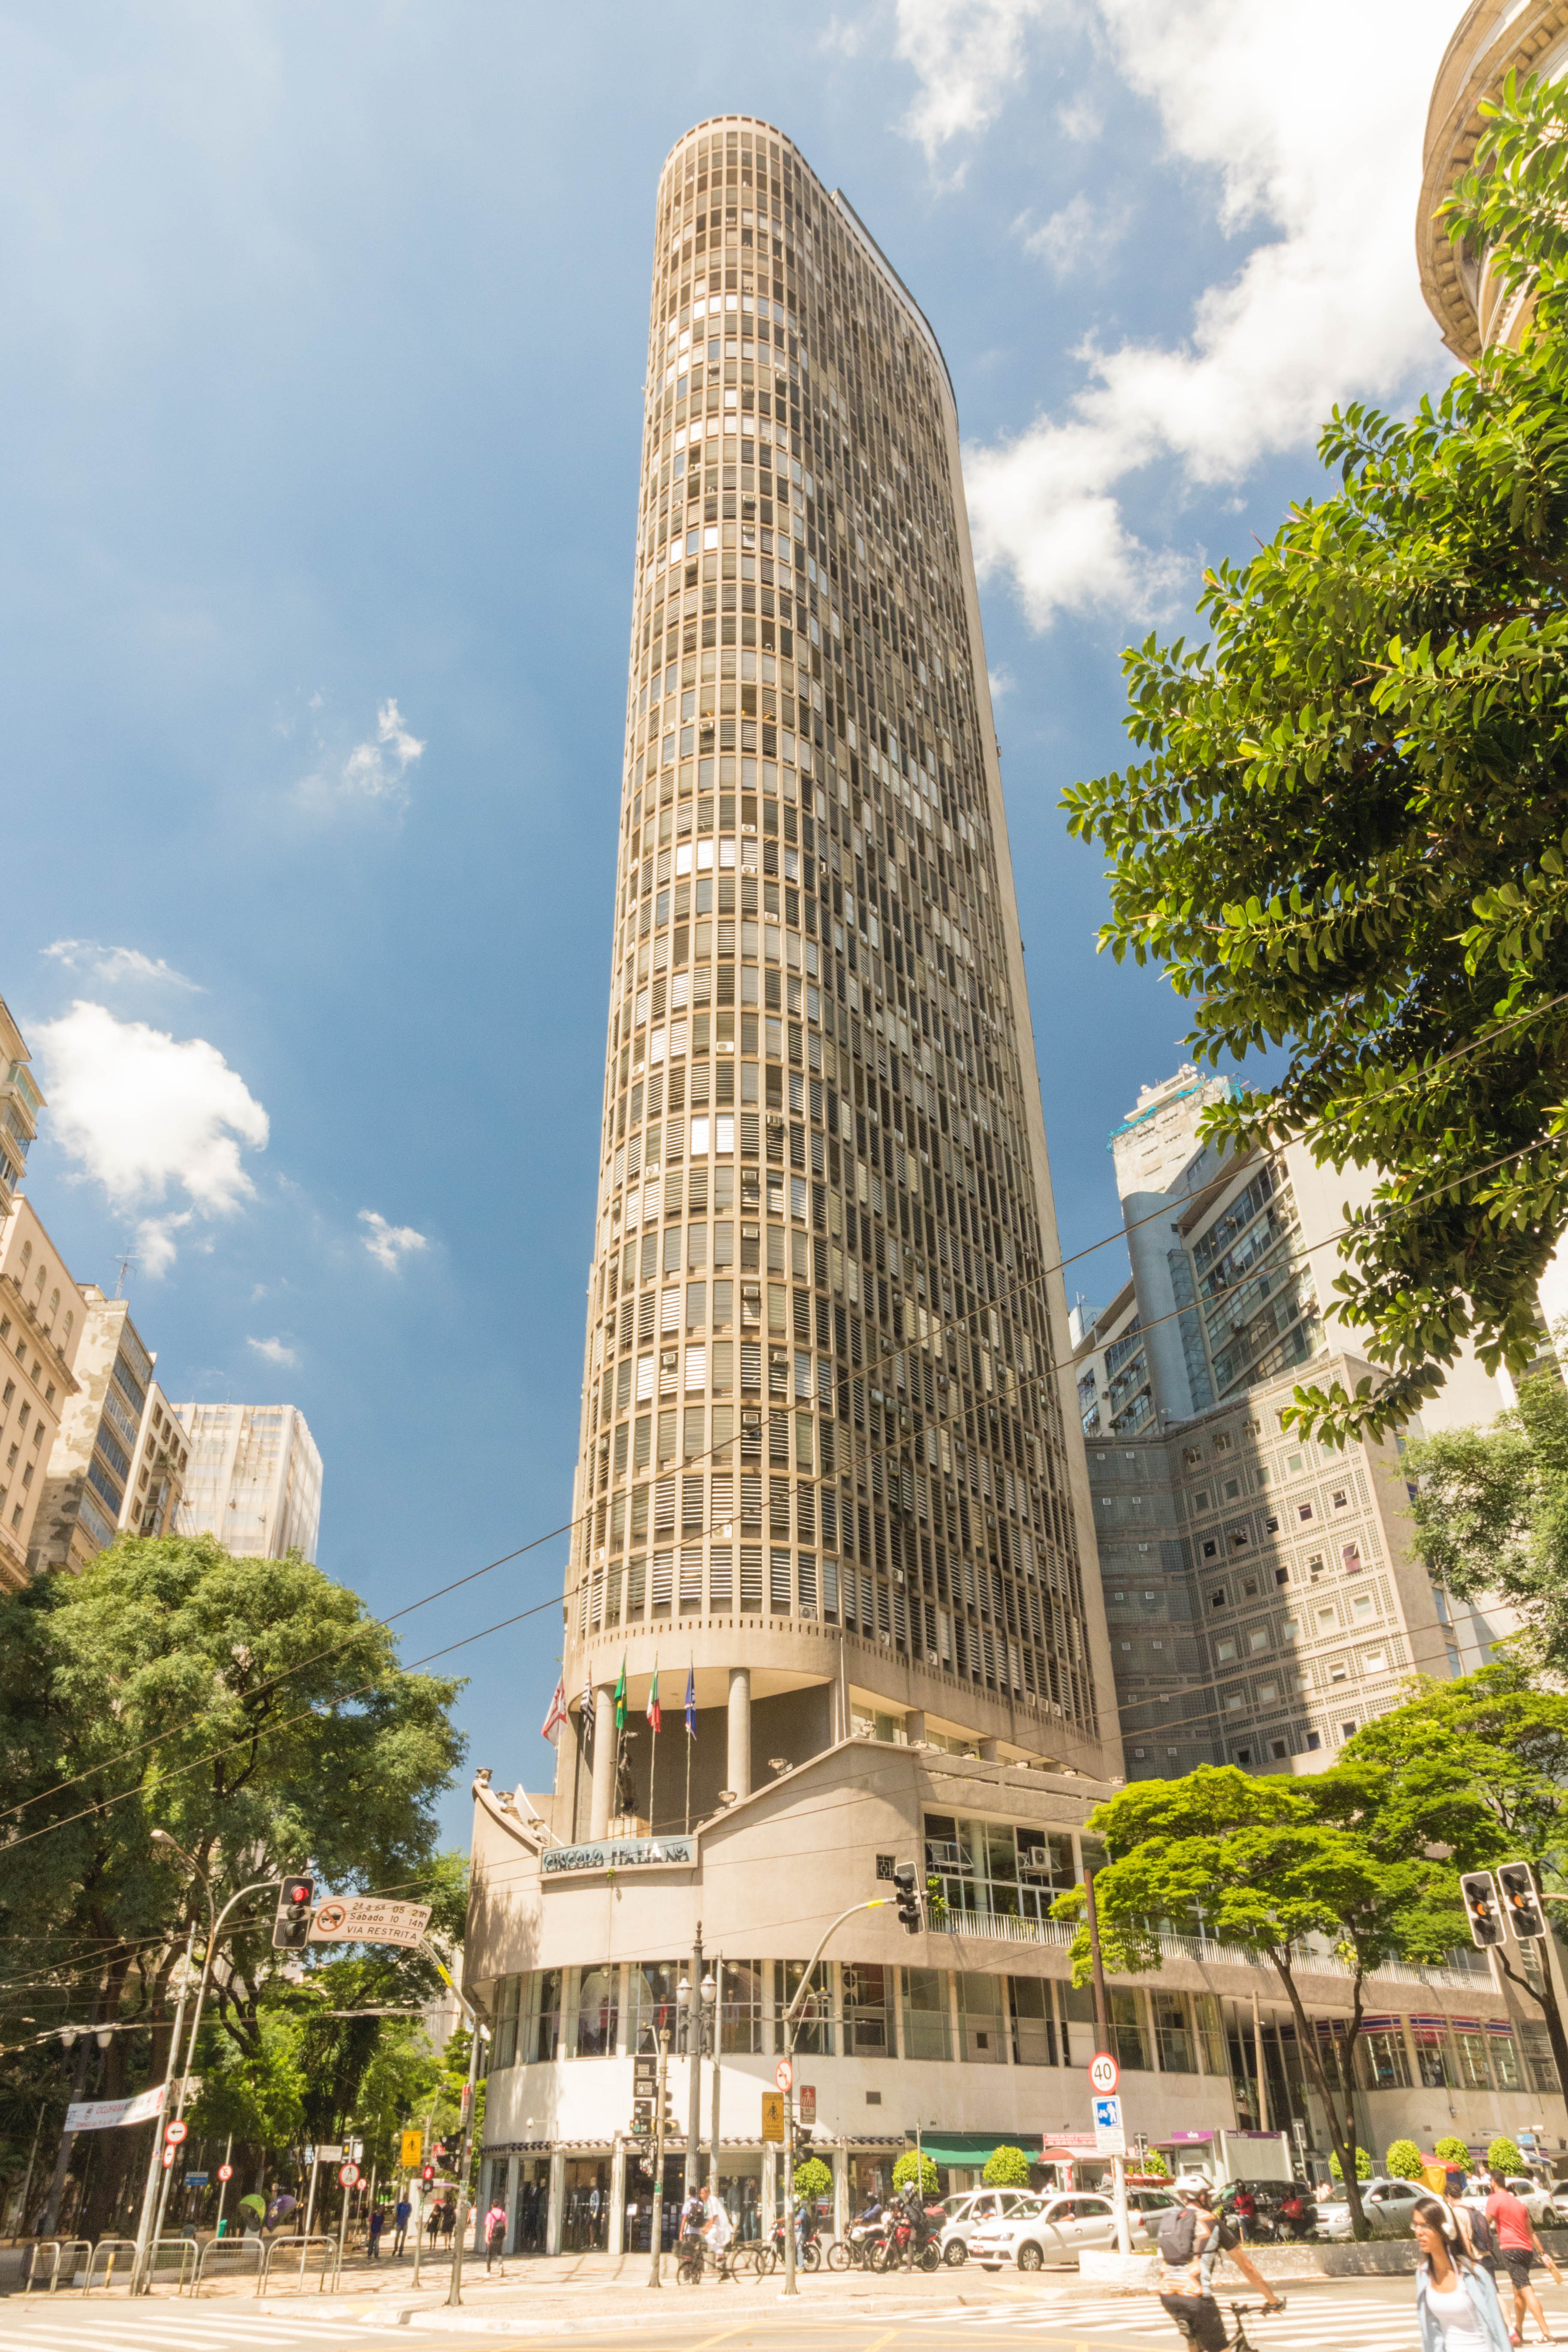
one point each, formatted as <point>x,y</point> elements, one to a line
<point>907,1901</point>
<point>291,1925</point>
<point>1478,1889</point>
<point>427,2174</point>
<point>1522,1904</point>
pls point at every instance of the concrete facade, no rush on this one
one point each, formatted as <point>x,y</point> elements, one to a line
<point>1262,1596</point>
<point>254,1479</point>
<point>1493,38</point>
<point>88,1479</point>
<point>43,1320</point>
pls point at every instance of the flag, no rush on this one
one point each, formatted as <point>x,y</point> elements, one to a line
<point>691,1702</point>
<point>655,1712</point>
<point>587,1710</point>
<point>621,1696</point>
<point>557,1716</point>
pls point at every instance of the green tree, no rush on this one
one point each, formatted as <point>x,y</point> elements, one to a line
<point>1154,2164</point>
<point>1006,2167</point>
<point>1403,2160</point>
<point>904,2172</point>
<point>1508,1740</point>
<point>812,2180</point>
<point>1363,2166</point>
<point>1265,1863</point>
<point>1504,2157</point>
<point>1348,837</point>
<point>252,1711</point>
<point>1490,1513</point>
<point>1451,2149</point>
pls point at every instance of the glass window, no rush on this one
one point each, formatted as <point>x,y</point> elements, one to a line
<point>598,2013</point>
<point>1432,2056</point>
<point>741,2025</point>
<point>540,2017</point>
<point>1538,2057</point>
<point>927,2028</point>
<point>1210,2035</point>
<point>866,2024</point>
<point>1385,2065</point>
<point>503,2047</point>
<point>1081,2032</point>
<point>1505,2061</point>
<point>1033,2021</point>
<point>813,2025</point>
<point>1126,2040</point>
<point>1470,2046</point>
<point>651,1994</point>
<point>980,2018</point>
<point>1171,2037</point>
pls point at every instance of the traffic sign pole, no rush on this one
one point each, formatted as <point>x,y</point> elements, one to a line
<point>1102,2020</point>
<point>224,2175</point>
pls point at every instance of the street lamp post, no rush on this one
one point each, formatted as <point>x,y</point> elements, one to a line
<point>791,2285</point>
<point>696,2025</point>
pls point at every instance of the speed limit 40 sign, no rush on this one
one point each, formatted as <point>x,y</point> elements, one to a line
<point>1104,2074</point>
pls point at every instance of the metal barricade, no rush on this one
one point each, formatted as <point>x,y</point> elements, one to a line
<point>303,2247</point>
<point>111,2253</point>
<point>223,2257</point>
<point>179,2254</point>
<point>58,2247</point>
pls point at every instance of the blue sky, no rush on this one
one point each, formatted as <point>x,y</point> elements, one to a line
<point>324,340</point>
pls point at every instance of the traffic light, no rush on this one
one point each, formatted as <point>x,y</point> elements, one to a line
<point>291,1925</point>
<point>1521,1901</point>
<point>1478,1889</point>
<point>427,2174</point>
<point>907,1900</point>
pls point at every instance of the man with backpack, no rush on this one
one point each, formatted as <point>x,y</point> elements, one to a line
<point>1192,2240</point>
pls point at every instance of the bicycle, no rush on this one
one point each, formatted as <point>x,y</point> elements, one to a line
<point>1241,2341</point>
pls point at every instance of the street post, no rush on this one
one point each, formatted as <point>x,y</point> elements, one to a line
<point>155,2160</point>
<point>455,2289</point>
<point>880,1902</point>
<point>655,2230</point>
<point>1102,2024</point>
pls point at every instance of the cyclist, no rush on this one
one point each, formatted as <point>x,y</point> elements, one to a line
<point>1192,2240</point>
<point>693,2215</point>
<point>717,2227</point>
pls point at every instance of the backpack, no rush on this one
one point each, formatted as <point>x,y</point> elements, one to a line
<point>1178,2234</point>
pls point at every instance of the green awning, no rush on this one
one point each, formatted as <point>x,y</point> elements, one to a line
<point>970,2148</point>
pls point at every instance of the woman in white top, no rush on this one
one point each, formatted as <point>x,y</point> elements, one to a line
<point>1457,2306</point>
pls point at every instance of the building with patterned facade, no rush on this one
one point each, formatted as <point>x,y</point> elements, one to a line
<point>826,1483</point>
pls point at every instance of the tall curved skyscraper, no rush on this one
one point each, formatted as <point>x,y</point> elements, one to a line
<point>824,1468</point>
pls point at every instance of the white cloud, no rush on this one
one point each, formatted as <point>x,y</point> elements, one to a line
<point>1326,308</point>
<point>274,1351</point>
<point>389,1244</point>
<point>117,967</point>
<point>146,1115</point>
<point>1080,236</point>
<point>967,55</point>
<point>1082,120</point>
<point>375,770</point>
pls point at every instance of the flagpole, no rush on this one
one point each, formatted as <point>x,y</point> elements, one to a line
<point>654,1712</point>
<point>690,1742</point>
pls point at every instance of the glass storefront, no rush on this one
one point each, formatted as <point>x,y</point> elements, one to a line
<point>585,2205</point>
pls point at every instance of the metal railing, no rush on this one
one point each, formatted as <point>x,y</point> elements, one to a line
<point>58,2247</point>
<point>1005,1927</point>
<point>179,2254</point>
<point>303,2247</point>
<point>215,2254</point>
<point>108,2251</point>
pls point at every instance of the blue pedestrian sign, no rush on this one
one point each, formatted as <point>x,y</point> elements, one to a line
<point>1110,2136</point>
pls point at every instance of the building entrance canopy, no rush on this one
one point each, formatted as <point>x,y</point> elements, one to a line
<point>945,2147</point>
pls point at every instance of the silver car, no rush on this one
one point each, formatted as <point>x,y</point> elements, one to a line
<point>1056,2234</point>
<point>977,2208</point>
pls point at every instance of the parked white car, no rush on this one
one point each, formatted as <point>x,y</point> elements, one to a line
<point>1146,2208</point>
<point>1056,2234</point>
<point>1386,2203</point>
<point>970,2210</point>
<point>1544,2208</point>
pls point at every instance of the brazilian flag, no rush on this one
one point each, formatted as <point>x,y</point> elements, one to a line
<point>621,1698</point>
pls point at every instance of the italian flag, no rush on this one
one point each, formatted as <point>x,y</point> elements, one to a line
<point>621,1699</point>
<point>655,1712</point>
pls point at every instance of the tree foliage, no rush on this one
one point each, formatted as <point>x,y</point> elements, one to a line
<point>812,2180</point>
<point>1266,1864</point>
<point>1490,1514</point>
<point>1403,2160</point>
<point>1350,835</point>
<point>1504,2155</point>
<point>254,1711</point>
<point>1508,1740</point>
<point>1452,2149</point>
<point>1363,2166</point>
<point>1006,2167</point>
<point>904,2172</point>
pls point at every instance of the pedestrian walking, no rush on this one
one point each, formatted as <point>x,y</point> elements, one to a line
<point>448,2219</point>
<point>1519,2249</point>
<point>1457,2306</point>
<point>377,2224</point>
<point>401,2212</point>
<point>495,2234</point>
<point>434,2224</point>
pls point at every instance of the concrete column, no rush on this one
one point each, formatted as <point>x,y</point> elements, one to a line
<point>770,2212</point>
<point>556,2210</point>
<point>915,1728</point>
<point>604,1761</point>
<point>841,2191</point>
<point>617,2237</point>
<point>987,1755</point>
<point>739,1768</point>
<point>514,2199</point>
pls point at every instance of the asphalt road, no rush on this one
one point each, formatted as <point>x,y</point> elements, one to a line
<point>936,2316</point>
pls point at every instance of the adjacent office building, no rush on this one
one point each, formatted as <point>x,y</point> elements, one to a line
<point>826,1485</point>
<point>43,1320</point>
<point>117,1459</point>
<point>254,1479</point>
